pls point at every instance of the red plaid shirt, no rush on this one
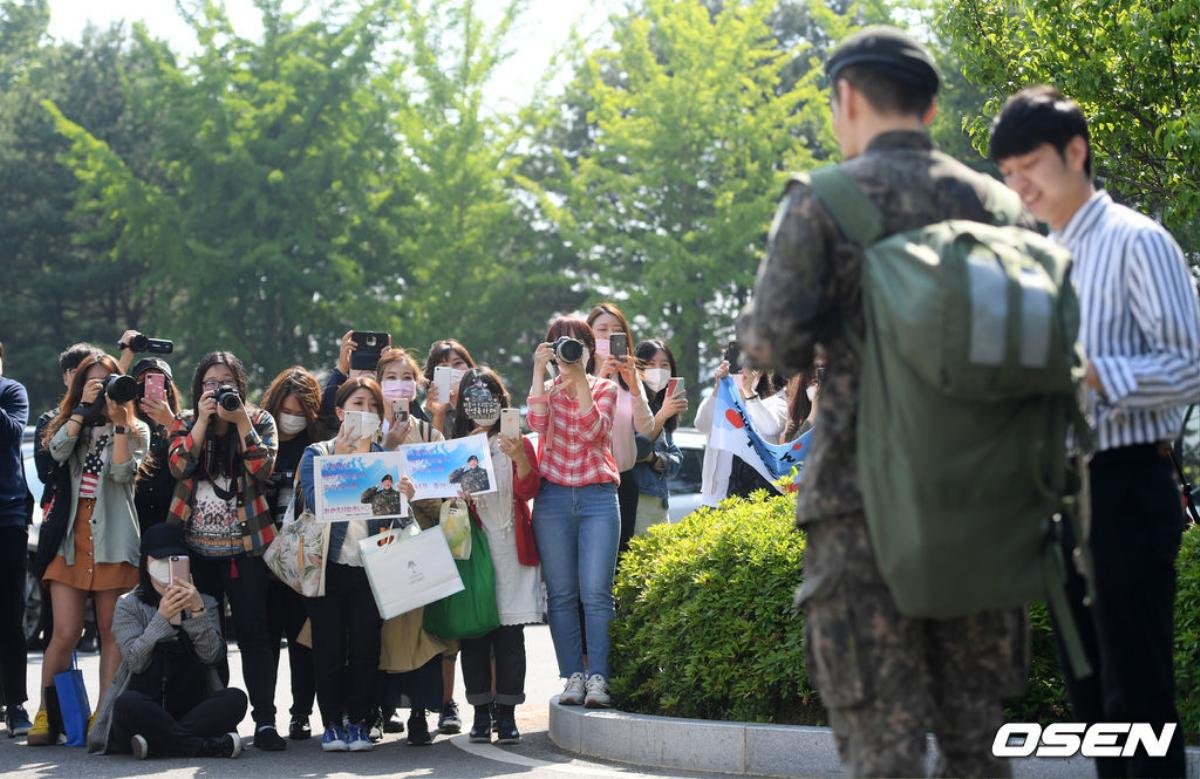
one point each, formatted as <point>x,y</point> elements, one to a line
<point>258,461</point>
<point>574,449</point>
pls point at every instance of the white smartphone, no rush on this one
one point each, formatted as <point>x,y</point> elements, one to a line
<point>510,422</point>
<point>352,427</point>
<point>443,377</point>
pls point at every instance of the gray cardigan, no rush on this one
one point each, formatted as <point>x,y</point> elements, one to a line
<point>115,531</point>
<point>137,627</point>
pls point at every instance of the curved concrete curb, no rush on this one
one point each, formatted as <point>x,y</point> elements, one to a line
<point>742,747</point>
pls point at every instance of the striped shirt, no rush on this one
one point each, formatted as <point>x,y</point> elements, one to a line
<point>1140,322</point>
<point>574,449</point>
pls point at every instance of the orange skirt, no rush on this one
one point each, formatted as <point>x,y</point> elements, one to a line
<point>86,574</point>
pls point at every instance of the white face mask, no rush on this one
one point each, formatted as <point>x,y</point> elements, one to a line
<point>812,392</point>
<point>290,424</point>
<point>159,570</point>
<point>656,378</point>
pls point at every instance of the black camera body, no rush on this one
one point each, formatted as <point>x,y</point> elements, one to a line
<point>568,350</point>
<point>227,397</point>
<point>121,389</point>
<point>141,343</point>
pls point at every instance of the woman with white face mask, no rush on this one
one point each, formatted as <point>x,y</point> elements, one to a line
<point>496,661</point>
<point>162,701</point>
<point>802,393</point>
<point>345,620</point>
<point>294,400</point>
<point>632,416</point>
<point>658,458</point>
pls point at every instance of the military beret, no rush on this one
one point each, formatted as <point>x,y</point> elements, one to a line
<point>887,49</point>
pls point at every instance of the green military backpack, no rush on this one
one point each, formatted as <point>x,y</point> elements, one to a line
<point>969,391</point>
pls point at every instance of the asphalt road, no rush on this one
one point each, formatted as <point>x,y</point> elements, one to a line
<point>448,756</point>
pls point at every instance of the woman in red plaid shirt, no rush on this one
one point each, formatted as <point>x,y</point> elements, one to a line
<point>576,520</point>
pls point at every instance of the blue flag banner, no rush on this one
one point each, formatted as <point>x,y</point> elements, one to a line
<point>733,430</point>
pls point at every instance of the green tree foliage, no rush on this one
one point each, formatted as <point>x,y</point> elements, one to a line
<point>1133,66</point>
<point>689,138</point>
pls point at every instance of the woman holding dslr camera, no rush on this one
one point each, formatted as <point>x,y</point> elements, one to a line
<point>576,520</point>
<point>99,435</point>
<point>223,454</point>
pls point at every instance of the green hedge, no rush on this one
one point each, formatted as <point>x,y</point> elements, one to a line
<point>705,626</point>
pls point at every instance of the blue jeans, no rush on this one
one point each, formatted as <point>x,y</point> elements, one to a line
<point>577,531</point>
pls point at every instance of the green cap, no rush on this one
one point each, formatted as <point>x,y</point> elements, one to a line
<point>889,50</point>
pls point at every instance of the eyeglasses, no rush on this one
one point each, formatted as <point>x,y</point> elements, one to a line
<point>212,384</point>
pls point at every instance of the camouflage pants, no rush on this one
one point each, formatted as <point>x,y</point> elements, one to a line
<point>888,680</point>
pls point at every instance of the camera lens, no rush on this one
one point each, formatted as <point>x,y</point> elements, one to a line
<point>121,389</point>
<point>568,349</point>
<point>227,398</point>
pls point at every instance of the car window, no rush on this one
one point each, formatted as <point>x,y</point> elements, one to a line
<point>689,477</point>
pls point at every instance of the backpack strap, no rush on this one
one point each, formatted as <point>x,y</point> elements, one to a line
<point>855,213</point>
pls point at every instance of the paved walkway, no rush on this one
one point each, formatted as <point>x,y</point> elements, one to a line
<point>449,756</point>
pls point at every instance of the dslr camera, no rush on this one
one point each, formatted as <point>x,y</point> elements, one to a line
<point>567,349</point>
<point>227,397</point>
<point>121,389</point>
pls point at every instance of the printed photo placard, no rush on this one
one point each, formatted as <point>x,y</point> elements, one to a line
<point>440,469</point>
<point>359,486</point>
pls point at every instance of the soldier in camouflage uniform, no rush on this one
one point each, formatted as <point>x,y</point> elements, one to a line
<point>472,479</point>
<point>885,679</point>
<point>385,500</point>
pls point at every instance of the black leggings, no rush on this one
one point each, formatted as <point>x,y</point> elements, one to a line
<point>627,499</point>
<point>286,618</point>
<point>507,644</point>
<point>137,713</point>
<point>345,630</point>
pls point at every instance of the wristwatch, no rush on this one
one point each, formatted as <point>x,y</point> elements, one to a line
<point>120,430</point>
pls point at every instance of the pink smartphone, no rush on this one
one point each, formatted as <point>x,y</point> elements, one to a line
<point>180,567</point>
<point>156,387</point>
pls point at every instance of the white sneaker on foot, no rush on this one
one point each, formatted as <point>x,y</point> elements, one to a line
<point>572,694</point>
<point>597,693</point>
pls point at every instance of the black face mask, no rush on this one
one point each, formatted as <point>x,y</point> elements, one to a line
<point>480,405</point>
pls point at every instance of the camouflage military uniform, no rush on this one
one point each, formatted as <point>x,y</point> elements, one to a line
<point>885,679</point>
<point>473,480</point>
<point>383,501</point>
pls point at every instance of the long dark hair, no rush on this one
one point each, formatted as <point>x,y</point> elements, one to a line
<point>490,379</point>
<point>599,310</point>
<point>440,350</point>
<point>75,393</point>
<point>644,353</point>
<point>297,382</point>
<point>220,456</point>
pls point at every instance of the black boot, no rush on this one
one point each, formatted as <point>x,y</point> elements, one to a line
<point>507,720</point>
<point>481,729</point>
<point>418,729</point>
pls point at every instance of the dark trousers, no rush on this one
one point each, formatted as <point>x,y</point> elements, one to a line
<point>287,614</point>
<point>627,500</point>
<point>507,645</point>
<point>137,713</point>
<point>245,581</point>
<point>345,630</point>
<point>13,553</point>
<point>1128,632</point>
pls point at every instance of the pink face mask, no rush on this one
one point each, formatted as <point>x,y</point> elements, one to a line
<point>399,389</point>
<point>602,349</point>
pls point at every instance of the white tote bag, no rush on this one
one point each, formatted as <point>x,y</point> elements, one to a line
<point>408,571</point>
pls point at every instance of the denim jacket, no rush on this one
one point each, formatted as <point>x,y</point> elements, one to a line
<point>308,492</point>
<point>650,481</point>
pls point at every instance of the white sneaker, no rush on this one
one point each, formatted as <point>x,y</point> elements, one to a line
<point>597,693</point>
<point>572,694</point>
<point>139,746</point>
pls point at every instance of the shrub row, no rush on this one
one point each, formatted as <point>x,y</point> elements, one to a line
<point>705,625</point>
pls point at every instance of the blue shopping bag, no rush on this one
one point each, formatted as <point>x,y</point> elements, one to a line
<point>73,703</point>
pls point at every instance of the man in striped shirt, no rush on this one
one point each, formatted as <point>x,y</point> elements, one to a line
<point>1140,329</point>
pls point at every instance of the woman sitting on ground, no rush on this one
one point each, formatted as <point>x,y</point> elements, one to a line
<point>162,700</point>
